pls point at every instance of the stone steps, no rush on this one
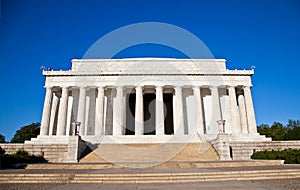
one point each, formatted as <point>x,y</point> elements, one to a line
<point>161,177</point>
<point>149,153</point>
<point>244,150</point>
<point>51,152</point>
<point>101,166</point>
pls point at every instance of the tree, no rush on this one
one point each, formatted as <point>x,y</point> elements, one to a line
<point>26,133</point>
<point>293,130</point>
<point>278,131</point>
<point>293,124</point>
<point>2,138</point>
<point>264,129</point>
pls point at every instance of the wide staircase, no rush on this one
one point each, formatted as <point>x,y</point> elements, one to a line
<point>151,163</point>
<point>153,175</point>
<point>151,154</point>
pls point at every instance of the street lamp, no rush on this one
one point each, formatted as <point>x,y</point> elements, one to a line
<point>221,124</point>
<point>75,126</point>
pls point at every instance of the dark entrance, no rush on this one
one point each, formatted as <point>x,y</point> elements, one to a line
<point>168,101</point>
<point>149,114</point>
<point>130,115</point>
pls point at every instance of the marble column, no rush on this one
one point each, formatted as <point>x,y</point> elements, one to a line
<point>46,112</point>
<point>198,110</point>
<point>234,111</point>
<point>216,109</point>
<point>99,112</point>
<point>117,112</point>
<point>81,109</point>
<point>243,115</point>
<point>250,111</point>
<point>179,128</point>
<point>159,112</point>
<point>53,114</point>
<point>62,112</point>
<point>86,113</point>
<point>69,115</point>
<point>139,111</point>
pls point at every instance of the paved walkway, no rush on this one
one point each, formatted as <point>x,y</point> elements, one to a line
<point>151,170</point>
<point>286,184</point>
<point>278,184</point>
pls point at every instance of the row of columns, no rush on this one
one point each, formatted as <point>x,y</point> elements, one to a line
<point>241,111</point>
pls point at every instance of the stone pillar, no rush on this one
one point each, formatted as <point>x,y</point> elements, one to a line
<point>117,112</point>
<point>99,112</point>
<point>179,128</point>
<point>243,115</point>
<point>69,115</point>
<point>53,113</point>
<point>216,109</point>
<point>46,112</point>
<point>159,112</point>
<point>86,113</point>
<point>81,109</point>
<point>250,111</point>
<point>139,111</point>
<point>198,110</point>
<point>62,112</point>
<point>234,111</point>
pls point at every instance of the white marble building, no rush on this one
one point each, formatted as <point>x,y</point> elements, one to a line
<point>148,100</point>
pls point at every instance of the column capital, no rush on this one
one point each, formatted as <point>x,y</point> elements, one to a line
<point>100,89</point>
<point>213,87</point>
<point>246,87</point>
<point>139,87</point>
<point>196,86</point>
<point>64,87</point>
<point>159,87</point>
<point>178,87</point>
<point>119,87</point>
<point>231,86</point>
<point>82,87</point>
<point>48,87</point>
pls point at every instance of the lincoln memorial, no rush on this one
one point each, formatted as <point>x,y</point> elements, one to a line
<point>148,100</point>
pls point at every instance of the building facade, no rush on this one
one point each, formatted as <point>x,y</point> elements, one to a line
<point>148,100</point>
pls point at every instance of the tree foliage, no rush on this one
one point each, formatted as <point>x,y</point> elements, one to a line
<point>290,156</point>
<point>26,133</point>
<point>2,138</point>
<point>277,131</point>
<point>20,157</point>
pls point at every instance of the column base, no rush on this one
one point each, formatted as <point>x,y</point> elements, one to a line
<point>141,139</point>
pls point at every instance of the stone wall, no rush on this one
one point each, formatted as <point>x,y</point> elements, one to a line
<point>51,152</point>
<point>244,150</point>
<point>238,150</point>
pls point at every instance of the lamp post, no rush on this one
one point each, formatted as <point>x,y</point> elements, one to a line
<point>75,126</point>
<point>221,124</point>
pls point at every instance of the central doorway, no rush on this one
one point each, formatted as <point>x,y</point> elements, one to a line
<point>168,101</point>
<point>149,113</point>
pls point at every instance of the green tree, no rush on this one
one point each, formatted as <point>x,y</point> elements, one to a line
<point>293,130</point>
<point>2,138</point>
<point>26,133</point>
<point>278,131</point>
<point>264,129</point>
<point>293,123</point>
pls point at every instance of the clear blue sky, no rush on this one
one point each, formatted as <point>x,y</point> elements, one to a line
<point>264,33</point>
